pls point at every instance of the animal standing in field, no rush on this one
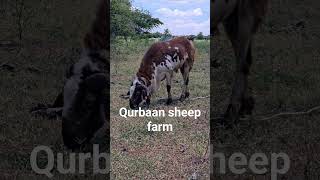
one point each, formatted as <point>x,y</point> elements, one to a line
<point>158,64</point>
<point>83,104</point>
<point>241,19</point>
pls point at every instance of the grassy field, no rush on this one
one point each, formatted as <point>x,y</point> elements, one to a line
<point>34,73</point>
<point>139,154</point>
<point>285,78</point>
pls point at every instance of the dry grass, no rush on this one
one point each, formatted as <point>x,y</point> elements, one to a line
<point>139,154</point>
<point>51,42</point>
<point>285,77</point>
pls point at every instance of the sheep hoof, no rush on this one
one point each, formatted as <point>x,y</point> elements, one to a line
<point>184,96</point>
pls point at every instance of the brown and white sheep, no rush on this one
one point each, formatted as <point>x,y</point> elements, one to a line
<point>158,64</point>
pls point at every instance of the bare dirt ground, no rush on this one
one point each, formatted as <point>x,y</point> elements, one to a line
<point>284,78</point>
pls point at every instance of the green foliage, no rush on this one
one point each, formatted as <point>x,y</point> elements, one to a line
<point>120,13</point>
<point>143,21</point>
<point>166,35</point>
<point>128,21</point>
<point>200,36</point>
<point>157,35</point>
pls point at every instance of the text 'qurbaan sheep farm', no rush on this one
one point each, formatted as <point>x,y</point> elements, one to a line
<point>176,112</point>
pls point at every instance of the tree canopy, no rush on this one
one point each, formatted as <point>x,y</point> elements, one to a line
<point>200,36</point>
<point>127,20</point>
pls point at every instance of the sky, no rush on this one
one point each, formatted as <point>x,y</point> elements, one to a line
<point>181,17</point>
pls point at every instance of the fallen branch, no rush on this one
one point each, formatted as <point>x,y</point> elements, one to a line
<point>261,118</point>
<point>8,44</point>
<point>194,98</point>
<point>290,114</point>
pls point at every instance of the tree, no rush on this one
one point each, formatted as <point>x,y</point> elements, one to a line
<point>166,35</point>
<point>167,32</point>
<point>200,36</point>
<point>127,21</point>
<point>121,24</point>
<point>157,35</point>
<point>143,21</point>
